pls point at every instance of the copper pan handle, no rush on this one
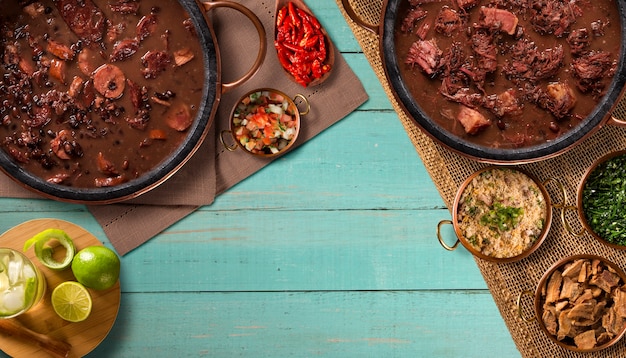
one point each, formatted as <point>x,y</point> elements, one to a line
<point>208,6</point>
<point>616,121</point>
<point>354,17</point>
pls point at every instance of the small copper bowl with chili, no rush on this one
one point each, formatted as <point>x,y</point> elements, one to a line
<point>580,303</point>
<point>265,122</point>
<point>601,201</point>
<point>500,214</point>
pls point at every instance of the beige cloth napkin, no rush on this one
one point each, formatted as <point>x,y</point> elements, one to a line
<point>212,170</point>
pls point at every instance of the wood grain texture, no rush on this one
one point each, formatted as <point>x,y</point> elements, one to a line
<point>330,251</point>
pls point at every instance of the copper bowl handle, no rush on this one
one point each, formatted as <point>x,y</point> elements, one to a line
<point>566,224</point>
<point>306,103</point>
<point>518,303</point>
<point>446,246</point>
<point>561,188</point>
<point>564,208</point>
<point>228,147</point>
<point>208,6</point>
<point>354,17</point>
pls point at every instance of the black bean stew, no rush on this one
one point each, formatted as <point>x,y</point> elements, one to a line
<point>95,94</point>
<point>508,74</point>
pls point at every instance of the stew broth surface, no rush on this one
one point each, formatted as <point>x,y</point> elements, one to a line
<point>536,118</point>
<point>103,100</point>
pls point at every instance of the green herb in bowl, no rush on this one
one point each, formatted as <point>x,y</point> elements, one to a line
<point>604,200</point>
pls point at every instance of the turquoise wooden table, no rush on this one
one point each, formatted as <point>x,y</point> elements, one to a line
<point>339,258</point>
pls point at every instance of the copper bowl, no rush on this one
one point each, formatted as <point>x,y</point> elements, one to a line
<point>541,294</point>
<point>482,252</point>
<point>266,151</point>
<point>587,227</point>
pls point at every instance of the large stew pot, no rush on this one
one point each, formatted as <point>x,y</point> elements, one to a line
<point>213,89</point>
<point>391,19</point>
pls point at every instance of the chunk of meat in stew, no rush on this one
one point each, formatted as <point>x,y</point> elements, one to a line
<point>472,120</point>
<point>426,55</point>
<point>84,18</point>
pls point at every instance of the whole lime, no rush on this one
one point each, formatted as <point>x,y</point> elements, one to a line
<point>96,267</point>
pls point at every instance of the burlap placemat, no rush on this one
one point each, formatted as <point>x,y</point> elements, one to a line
<point>213,169</point>
<point>449,170</point>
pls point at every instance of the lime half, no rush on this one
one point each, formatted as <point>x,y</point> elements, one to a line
<point>71,301</point>
<point>45,253</point>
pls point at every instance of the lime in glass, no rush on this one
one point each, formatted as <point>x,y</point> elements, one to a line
<point>21,284</point>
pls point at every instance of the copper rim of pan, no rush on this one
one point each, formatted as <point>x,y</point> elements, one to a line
<point>579,200</point>
<point>543,282</point>
<point>529,250</point>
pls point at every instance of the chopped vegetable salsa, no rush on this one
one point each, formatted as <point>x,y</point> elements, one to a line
<point>264,122</point>
<point>604,200</point>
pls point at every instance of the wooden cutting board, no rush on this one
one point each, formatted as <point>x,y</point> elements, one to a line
<point>83,336</point>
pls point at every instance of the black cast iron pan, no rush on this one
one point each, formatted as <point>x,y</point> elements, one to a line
<point>213,89</point>
<point>387,47</point>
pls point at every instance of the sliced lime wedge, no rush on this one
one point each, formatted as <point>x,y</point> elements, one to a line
<point>71,301</point>
<point>45,253</point>
<point>30,290</point>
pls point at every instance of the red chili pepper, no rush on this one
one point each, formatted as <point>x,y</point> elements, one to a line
<point>284,60</point>
<point>300,44</point>
<point>308,28</point>
<point>309,42</point>
<point>295,20</point>
<point>316,69</point>
<point>280,17</point>
<point>311,19</point>
<point>321,54</point>
<point>292,47</point>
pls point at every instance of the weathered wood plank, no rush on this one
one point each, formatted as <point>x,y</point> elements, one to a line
<point>274,250</point>
<point>364,161</point>
<point>244,250</point>
<point>378,99</point>
<point>305,324</point>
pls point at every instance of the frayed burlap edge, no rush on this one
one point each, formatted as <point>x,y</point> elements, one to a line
<point>448,171</point>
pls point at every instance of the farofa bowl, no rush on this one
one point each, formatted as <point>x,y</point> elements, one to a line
<point>580,303</point>
<point>500,214</point>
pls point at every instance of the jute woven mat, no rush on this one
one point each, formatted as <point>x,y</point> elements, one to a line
<point>448,171</point>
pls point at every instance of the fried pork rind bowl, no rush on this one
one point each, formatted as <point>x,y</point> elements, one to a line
<point>580,303</point>
<point>500,214</point>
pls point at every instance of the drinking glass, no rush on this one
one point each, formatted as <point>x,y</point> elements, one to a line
<point>22,285</point>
